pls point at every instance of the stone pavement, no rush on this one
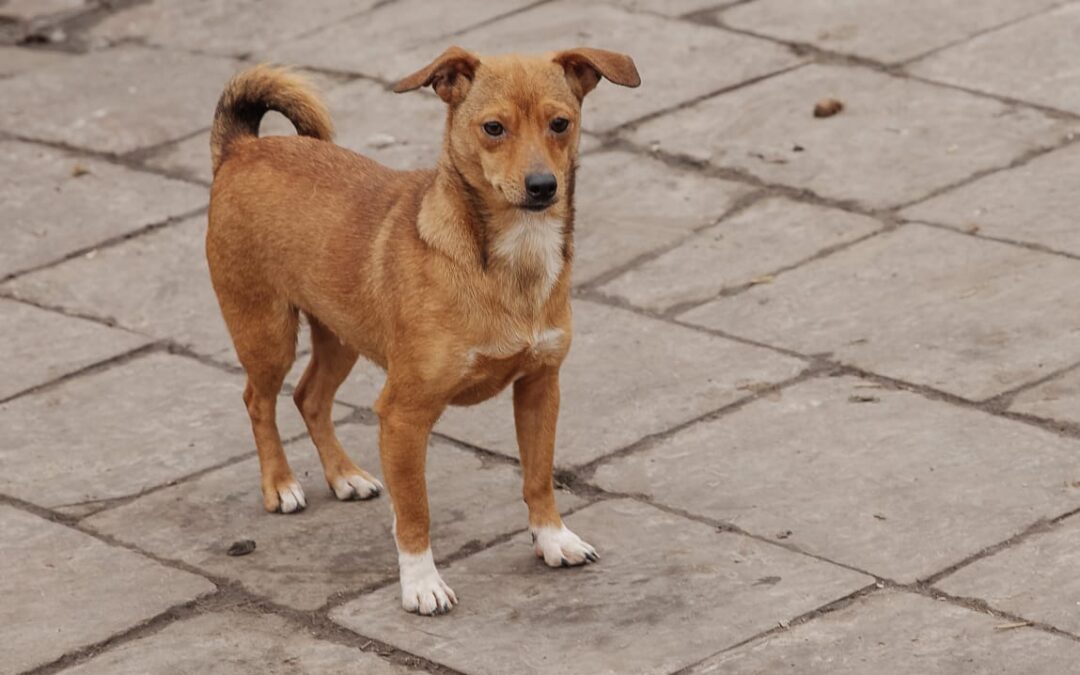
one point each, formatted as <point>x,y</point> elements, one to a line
<point>822,413</point>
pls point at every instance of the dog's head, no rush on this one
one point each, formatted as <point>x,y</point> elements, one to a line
<point>514,121</point>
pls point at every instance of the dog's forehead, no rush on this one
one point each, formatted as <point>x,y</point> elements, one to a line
<point>521,80</point>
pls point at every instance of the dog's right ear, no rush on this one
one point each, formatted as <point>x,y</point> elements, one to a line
<point>450,75</point>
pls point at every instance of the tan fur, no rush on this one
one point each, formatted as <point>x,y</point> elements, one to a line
<point>416,271</point>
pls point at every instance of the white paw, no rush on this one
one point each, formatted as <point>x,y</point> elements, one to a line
<point>559,547</point>
<point>291,498</point>
<point>356,486</point>
<point>422,589</point>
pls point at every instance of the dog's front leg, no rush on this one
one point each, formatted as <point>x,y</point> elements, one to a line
<point>403,438</point>
<point>536,412</point>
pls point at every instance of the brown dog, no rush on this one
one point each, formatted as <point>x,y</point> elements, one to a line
<point>455,280</point>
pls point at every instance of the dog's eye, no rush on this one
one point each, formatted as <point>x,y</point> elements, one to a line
<point>559,124</point>
<point>493,129</point>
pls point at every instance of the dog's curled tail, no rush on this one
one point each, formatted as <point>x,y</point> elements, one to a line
<point>251,93</point>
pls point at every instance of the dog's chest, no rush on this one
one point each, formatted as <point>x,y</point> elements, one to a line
<point>490,368</point>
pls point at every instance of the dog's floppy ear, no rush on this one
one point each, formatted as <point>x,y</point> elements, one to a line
<point>584,67</point>
<point>450,75</point>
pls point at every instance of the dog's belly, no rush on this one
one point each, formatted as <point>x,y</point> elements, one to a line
<point>487,375</point>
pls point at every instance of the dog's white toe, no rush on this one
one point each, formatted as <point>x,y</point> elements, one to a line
<point>422,589</point>
<point>347,488</point>
<point>559,547</point>
<point>291,497</point>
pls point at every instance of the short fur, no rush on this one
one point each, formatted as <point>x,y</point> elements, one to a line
<point>441,277</point>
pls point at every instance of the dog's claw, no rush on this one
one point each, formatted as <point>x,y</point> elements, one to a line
<point>356,488</point>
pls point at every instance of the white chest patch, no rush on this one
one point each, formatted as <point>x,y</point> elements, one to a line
<point>534,243</point>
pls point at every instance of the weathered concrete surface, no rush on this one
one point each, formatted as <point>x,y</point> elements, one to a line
<point>14,60</point>
<point>157,285</point>
<point>118,432</point>
<point>1033,60</point>
<point>63,590</point>
<point>1035,203</point>
<point>236,643</point>
<point>678,68</point>
<point>895,141</point>
<point>1035,579</point>
<point>117,100</point>
<point>623,615</point>
<point>602,399</point>
<point>332,547</point>
<point>883,30</point>
<point>50,212</point>
<point>74,344</point>
<point>968,316</point>
<point>901,634</point>
<point>747,248</point>
<point>1056,399</point>
<point>874,478</point>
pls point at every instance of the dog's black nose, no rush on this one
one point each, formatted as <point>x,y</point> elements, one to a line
<point>540,187</point>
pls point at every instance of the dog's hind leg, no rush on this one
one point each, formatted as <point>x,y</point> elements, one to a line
<point>331,362</point>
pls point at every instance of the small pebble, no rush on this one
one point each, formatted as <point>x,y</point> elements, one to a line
<point>242,547</point>
<point>827,107</point>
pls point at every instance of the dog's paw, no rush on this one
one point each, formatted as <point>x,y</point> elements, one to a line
<point>559,547</point>
<point>287,497</point>
<point>422,589</point>
<point>356,486</point>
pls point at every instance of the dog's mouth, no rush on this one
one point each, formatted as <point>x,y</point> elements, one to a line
<point>537,207</point>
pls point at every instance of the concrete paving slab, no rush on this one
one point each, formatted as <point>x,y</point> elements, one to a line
<point>228,27</point>
<point>126,429</point>
<point>64,590</point>
<point>673,8</point>
<point>877,29</point>
<point>157,284</point>
<point>237,644</point>
<point>117,100</point>
<point>901,634</point>
<point>1034,579</point>
<point>627,377</point>
<point>895,141</point>
<point>1032,203</point>
<point>749,247</point>
<point>1033,60</point>
<point>666,592</point>
<point>368,44</point>
<point>25,10</point>
<point>629,205</point>
<point>1056,399</point>
<point>967,316</point>
<point>332,547</point>
<point>50,212</point>
<point>883,480</point>
<point>40,346</point>
<point>15,60</point>
<point>690,61</point>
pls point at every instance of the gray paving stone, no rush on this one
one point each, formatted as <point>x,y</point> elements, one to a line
<point>116,100</point>
<point>749,247</point>
<point>237,644</point>
<point>231,27</point>
<point>40,346</point>
<point>1033,60</point>
<point>131,427</point>
<point>25,10</point>
<point>1032,203</point>
<point>690,61</point>
<point>900,634</point>
<point>672,8</point>
<point>667,592</point>
<point>332,546</point>
<point>1035,579</point>
<point>49,212</point>
<point>1056,399</point>
<point>964,315</point>
<point>63,590</point>
<point>886,481</point>
<point>157,284</point>
<point>15,60</point>
<point>628,205</point>
<point>895,141</point>
<point>877,29</point>
<point>367,44</point>
<point>626,377</point>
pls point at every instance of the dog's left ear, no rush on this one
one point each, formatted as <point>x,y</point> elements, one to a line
<point>584,67</point>
<point>450,75</point>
